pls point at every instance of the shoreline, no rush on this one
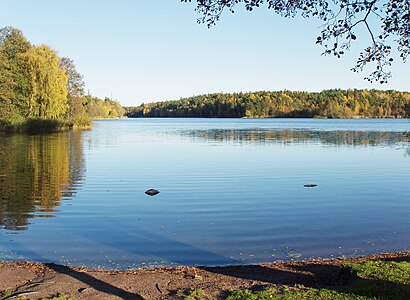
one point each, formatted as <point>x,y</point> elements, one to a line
<point>48,280</point>
<point>42,126</point>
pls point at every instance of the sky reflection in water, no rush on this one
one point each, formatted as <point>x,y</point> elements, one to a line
<point>231,192</point>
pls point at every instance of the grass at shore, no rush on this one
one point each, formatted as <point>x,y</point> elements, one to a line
<point>10,295</point>
<point>301,293</point>
<point>371,280</point>
<point>59,297</point>
<point>38,125</point>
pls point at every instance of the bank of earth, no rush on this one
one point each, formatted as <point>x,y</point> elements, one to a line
<point>384,276</point>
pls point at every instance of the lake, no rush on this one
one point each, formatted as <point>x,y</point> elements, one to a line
<point>231,192</point>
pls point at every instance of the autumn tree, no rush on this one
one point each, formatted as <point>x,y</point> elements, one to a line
<point>99,108</point>
<point>48,83</point>
<point>387,23</point>
<point>283,104</point>
<point>75,89</point>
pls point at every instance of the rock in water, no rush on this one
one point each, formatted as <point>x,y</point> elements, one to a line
<point>152,192</point>
<point>310,185</point>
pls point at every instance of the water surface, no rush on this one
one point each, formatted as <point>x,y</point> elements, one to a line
<point>231,192</point>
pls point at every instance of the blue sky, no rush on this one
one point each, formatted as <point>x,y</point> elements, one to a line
<point>142,51</point>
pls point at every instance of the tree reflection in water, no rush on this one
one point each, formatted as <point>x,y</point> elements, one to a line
<point>295,136</point>
<point>36,173</point>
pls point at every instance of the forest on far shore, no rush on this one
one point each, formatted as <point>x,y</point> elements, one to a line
<point>283,104</point>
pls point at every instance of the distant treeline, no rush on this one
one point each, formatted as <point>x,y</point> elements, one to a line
<point>283,104</point>
<point>39,88</point>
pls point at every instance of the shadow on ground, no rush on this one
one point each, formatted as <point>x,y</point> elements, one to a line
<point>317,275</point>
<point>95,283</point>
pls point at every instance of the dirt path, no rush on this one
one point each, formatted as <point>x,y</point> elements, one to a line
<point>37,281</point>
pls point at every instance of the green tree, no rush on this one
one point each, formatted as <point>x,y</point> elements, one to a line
<point>7,85</point>
<point>48,83</point>
<point>14,84</point>
<point>386,21</point>
<point>13,42</point>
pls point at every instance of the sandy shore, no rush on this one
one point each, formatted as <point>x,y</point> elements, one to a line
<point>36,280</point>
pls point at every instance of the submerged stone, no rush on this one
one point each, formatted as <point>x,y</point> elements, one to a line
<point>310,185</point>
<point>152,192</point>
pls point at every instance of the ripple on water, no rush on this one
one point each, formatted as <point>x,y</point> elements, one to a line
<point>231,192</point>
